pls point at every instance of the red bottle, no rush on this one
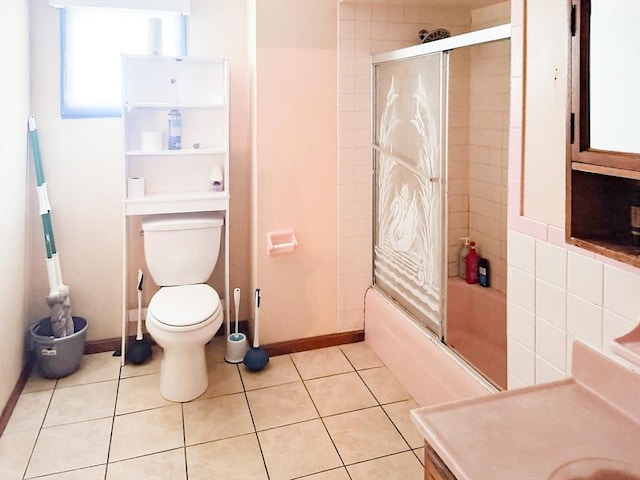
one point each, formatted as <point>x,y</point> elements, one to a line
<point>473,259</point>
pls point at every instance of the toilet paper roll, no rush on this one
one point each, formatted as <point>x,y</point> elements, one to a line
<point>154,39</point>
<point>135,187</point>
<point>151,141</point>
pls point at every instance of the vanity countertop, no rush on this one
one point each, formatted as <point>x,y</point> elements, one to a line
<point>536,432</point>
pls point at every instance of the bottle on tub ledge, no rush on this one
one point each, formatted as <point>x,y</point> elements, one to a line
<point>472,261</point>
<point>462,258</point>
<point>483,273</point>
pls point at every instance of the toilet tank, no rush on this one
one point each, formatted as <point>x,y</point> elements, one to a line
<point>182,249</point>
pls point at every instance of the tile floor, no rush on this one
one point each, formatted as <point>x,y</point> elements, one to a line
<point>330,414</point>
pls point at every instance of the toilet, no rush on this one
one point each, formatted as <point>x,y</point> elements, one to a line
<point>181,251</point>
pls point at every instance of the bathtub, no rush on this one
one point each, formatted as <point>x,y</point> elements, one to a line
<point>477,327</point>
<point>426,368</point>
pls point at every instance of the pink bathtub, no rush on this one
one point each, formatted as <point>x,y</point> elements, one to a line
<point>477,328</point>
<point>421,363</point>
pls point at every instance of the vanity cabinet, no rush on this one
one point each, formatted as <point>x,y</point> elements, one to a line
<point>434,467</point>
<point>601,181</point>
<point>159,180</point>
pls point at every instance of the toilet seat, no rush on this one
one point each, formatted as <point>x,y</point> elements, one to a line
<point>184,307</point>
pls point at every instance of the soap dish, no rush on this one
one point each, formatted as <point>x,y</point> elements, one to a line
<point>628,346</point>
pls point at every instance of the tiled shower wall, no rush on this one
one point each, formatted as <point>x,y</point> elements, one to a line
<point>488,142</point>
<point>366,29</point>
<point>363,30</point>
<point>478,145</point>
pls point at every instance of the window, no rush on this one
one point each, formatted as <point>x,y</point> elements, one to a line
<point>91,42</point>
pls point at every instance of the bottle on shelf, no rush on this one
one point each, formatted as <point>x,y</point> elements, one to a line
<point>635,219</point>
<point>175,130</point>
<point>462,258</point>
<point>472,261</point>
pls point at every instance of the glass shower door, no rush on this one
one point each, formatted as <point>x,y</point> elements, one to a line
<point>409,189</point>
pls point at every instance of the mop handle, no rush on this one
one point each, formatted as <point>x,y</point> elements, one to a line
<point>54,273</point>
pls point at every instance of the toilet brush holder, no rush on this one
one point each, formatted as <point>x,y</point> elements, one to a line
<point>237,346</point>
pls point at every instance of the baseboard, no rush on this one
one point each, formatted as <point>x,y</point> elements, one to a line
<point>313,343</point>
<point>113,344</point>
<point>15,393</point>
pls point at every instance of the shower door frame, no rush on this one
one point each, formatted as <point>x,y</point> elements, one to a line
<point>492,34</point>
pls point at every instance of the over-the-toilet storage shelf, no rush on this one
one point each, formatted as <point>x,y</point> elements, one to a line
<point>175,181</point>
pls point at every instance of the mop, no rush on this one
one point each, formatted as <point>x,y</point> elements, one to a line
<point>58,298</point>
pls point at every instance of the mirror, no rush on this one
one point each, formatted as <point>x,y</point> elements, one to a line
<point>614,75</point>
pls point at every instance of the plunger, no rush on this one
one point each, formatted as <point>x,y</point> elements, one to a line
<point>256,358</point>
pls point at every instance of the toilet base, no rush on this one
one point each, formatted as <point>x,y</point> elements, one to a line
<point>183,374</point>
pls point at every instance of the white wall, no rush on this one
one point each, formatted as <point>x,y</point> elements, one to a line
<point>296,158</point>
<point>546,74</point>
<point>296,165</point>
<point>83,166</point>
<point>82,161</point>
<point>14,98</point>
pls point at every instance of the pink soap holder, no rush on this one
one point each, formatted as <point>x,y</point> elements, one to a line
<point>282,242</point>
<point>628,346</point>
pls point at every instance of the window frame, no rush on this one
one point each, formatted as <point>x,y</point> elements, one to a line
<point>67,112</point>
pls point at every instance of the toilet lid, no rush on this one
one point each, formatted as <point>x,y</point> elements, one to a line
<point>184,305</point>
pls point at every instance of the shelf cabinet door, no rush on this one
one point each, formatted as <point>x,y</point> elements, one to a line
<point>155,80</point>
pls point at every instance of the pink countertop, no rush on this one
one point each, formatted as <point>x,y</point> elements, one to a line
<point>532,432</point>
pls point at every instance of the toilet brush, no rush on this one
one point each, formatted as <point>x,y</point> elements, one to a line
<point>256,358</point>
<point>236,342</point>
<point>139,350</point>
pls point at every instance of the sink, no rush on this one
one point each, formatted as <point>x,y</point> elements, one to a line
<point>596,469</point>
<point>628,346</point>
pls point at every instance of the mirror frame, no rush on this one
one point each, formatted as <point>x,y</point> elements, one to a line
<point>579,124</point>
<point>599,183</point>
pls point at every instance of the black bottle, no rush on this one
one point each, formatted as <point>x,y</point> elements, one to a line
<point>635,219</point>
<point>483,273</point>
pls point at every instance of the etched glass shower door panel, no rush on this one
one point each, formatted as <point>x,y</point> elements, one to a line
<point>408,186</point>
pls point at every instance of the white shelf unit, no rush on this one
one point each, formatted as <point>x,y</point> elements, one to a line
<point>176,181</point>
